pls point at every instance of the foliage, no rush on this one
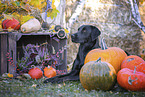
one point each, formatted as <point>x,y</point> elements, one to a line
<point>20,8</point>
<point>141,1</point>
<point>38,55</point>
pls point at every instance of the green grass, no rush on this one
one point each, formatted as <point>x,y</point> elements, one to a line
<point>36,88</point>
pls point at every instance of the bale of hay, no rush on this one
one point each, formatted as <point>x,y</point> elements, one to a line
<point>114,19</point>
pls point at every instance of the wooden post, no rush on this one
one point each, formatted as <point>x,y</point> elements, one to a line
<point>12,50</point>
<point>3,52</point>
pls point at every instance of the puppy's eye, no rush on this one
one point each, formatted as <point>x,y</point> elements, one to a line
<point>84,30</point>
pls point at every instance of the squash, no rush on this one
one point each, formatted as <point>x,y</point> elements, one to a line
<point>31,25</point>
<point>113,55</point>
<point>131,79</point>
<point>132,61</point>
<point>35,73</point>
<point>49,72</point>
<point>11,23</point>
<point>97,75</point>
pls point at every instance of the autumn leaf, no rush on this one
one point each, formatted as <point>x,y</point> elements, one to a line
<point>7,16</point>
<point>25,6</point>
<point>34,85</point>
<point>24,19</point>
<point>52,27</point>
<point>16,16</point>
<point>66,31</point>
<point>52,13</point>
<point>0,24</point>
<point>38,4</point>
<point>10,75</point>
<point>141,1</point>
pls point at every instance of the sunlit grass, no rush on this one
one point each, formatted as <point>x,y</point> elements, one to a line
<point>36,88</point>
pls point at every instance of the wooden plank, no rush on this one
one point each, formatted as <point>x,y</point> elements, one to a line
<point>60,47</point>
<point>63,47</point>
<point>3,52</point>
<point>12,51</point>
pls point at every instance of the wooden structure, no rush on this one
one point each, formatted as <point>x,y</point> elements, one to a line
<point>11,46</point>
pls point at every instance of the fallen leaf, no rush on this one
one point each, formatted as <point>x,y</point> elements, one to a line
<point>34,85</point>
<point>10,75</point>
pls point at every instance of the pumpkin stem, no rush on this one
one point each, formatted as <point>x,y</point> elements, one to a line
<point>130,80</point>
<point>143,51</point>
<point>103,44</point>
<point>33,66</point>
<point>134,69</point>
<point>99,59</point>
<point>48,66</point>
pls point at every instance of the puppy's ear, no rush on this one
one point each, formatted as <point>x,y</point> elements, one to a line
<point>95,33</point>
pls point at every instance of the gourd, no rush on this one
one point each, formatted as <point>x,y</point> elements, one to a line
<point>35,73</point>
<point>97,75</point>
<point>49,72</point>
<point>31,25</point>
<point>132,61</point>
<point>113,55</point>
<point>11,23</point>
<point>131,79</point>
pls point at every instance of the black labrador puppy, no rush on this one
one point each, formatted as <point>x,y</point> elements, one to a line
<point>87,36</point>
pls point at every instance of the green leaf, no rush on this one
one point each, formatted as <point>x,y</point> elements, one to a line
<point>17,3</point>
<point>52,13</point>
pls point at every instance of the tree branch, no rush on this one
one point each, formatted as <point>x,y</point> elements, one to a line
<point>76,14</point>
<point>136,15</point>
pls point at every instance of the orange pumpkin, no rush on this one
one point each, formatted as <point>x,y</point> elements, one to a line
<point>131,79</point>
<point>132,61</point>
<point>49,72</point>
<point>35,73</point>
<point>112,55</point>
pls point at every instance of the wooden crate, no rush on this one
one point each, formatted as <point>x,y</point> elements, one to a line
<point>11,48</point>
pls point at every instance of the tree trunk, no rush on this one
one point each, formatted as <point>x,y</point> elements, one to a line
<point>136,15</point>
<point>60,18</point>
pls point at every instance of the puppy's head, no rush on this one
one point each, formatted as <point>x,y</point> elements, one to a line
<point>86,33</point>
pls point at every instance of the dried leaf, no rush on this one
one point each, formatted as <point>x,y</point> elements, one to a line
<point>26,75</point>
<point>10,75</point>
<point>34,85</point>
<point>8,16</point>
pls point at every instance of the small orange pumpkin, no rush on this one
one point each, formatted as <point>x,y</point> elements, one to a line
<point>35,73</point>
<point>132,61</point>
<point>112,55</point>
<point>131,79</point>
<point>49,72</point>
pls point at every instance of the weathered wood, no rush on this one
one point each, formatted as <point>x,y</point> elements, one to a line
<point>12,43</point>
<point>12,50</point>
<point>3,52</point>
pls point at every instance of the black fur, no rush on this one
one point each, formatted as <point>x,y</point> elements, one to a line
<point>87,36</point>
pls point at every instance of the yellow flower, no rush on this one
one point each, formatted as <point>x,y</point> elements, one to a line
<point>10,75</point>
